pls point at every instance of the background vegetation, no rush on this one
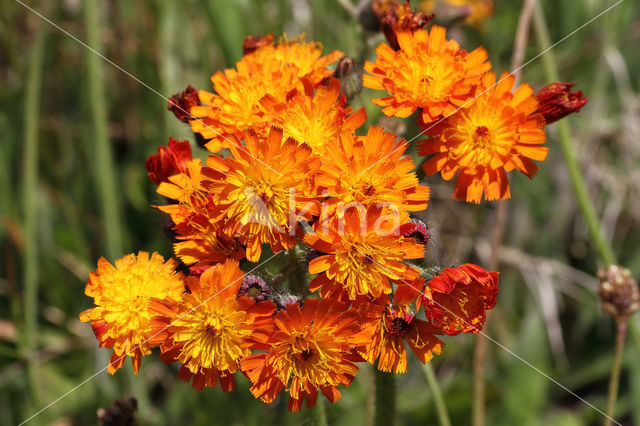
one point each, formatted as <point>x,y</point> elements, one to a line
<point>62,108</point>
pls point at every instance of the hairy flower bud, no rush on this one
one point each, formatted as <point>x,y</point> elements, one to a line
<point>619,292</point>
<point>180,103</point>
<point>556,101</point>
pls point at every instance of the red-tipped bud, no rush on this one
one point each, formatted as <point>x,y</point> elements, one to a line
<point>402,18</point>
<point>557,101</point>
<point>417,230</point>
<point>253,43</point>
<point>180,104</point>
<point>168,161</point>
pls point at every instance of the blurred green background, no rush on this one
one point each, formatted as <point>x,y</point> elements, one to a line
<point>63,109</point>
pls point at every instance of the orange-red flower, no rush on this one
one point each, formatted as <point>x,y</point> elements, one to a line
<point>274,70</point>
<point>199,232</point>
<point>402,18</point>
<point>457,299</point>
<point>168,161</point>
<point>263,190</point>
<point>556,101</point>
<point>496,133</point>
<point>363,252</point>
<point>310,350</point>
<point>316,116</point>
<point>180,103</point>
<point>121,319</point>
<point>427,72</point>
<point>210,329</point>
<point>391,326</point>
<point>371,169</point>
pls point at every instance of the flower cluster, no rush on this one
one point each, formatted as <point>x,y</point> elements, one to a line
<point>290,169</point>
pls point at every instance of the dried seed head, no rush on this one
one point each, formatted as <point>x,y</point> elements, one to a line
<point>619,292</point>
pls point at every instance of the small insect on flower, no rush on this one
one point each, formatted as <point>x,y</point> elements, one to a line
<point>310,350</point>
<point>210,329</point>
<point>121,319</point>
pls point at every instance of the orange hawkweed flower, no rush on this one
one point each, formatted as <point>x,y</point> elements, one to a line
<point>498,132</point>
<point>392,326</point>
<point>121,319</point>
<point>310,350</point>
<point>556,101</point>
<point>263,190</point>
<point>363,251</point>
<point>198,230</point>
<point>371,169</point>
<point>168,161</point>
<point>428,72</point>
<point>457,299</point>
<point>274,70</point>
<point>210,329</point>
<point>315,117</point>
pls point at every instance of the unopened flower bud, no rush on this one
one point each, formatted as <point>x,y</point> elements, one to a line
<point>619,292</point>
<point>180,104</point>
<point>121,412</point>
<point>255,287</point>
<point>557,101</point>
<point>417,230</point>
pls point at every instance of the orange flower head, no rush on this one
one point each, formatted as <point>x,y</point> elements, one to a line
<point>263,190</point>
<point>209,329</point>
<point>121,319</point>
<point>316,116</point>
<point>274,70</point>
<point>168,161</point>
<point>428,72</point>
<point>371,169</point>
<point>199,232</point>
<point>392,326</point>
<point>310,350</point>
<point>496,133</point>
<point>457,299</point>
<point>363,251</point>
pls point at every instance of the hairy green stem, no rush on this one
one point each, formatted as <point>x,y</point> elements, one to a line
<point>385,407</point>
<point>575,174</point>
<point>441,407</point>
<point>30,209</point>
<point>614,380</point>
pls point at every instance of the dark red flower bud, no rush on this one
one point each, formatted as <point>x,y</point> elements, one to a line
<point>168,161</point>
<point>252,43</point>
<point>255,287</point>
<point>180,103</point>
<point>557,101</point>
<point>402,18</point>
<point>121,412</point>
<point>417,230</point>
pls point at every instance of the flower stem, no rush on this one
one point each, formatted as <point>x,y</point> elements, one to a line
<point>385,408</point>
<point>30,210</point>
<point>614,380</point>
<point>441,407</point>
<point>575,174</point>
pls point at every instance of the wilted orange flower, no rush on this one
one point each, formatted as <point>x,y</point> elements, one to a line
<point>428,72</point>
<point>199,232</point>
<point>121,319</point>
<point>316,116</point>
<point>556,101</point>
<point>371,169</point>
<point>457,299</point>
<point>263,190</point>
<point>402,18</point>
<point>310,350</point>
<point>392,325</point>
<point>275,70</point>
<point>168,161</point>
<point>363,251</point>
<point>210,329</point>
<point>498,132</point>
